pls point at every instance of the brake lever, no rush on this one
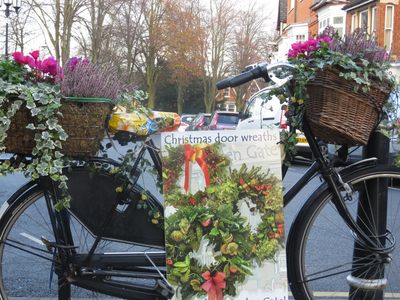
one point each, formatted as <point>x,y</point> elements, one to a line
<point>279,82</point>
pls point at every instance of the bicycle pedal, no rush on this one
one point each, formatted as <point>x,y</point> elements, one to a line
<point>164,289</point>
<point>54,245</point>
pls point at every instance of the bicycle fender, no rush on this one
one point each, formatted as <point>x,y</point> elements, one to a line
<point>22,190</point>
<point>360,165</point>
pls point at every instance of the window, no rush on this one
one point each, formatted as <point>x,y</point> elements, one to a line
<point>253,90</point>
<point>364,19</point>
<point>227,93</point>
<point>338,23</point>
<point>248,113</point>
<point>389,26</point>
<point>300,38</point>
<point>373,21</point>
<point>337,20</point>
<point>353,22</point>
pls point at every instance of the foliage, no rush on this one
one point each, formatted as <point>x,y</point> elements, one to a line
<point>43,100</point>
<point>93,80</point>
<point>357,57</point>
<point>132,100</point>
<point>11,71</point>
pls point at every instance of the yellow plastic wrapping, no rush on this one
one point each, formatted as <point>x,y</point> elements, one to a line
<point>142,124</point>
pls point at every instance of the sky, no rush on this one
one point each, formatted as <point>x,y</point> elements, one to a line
<point>269,8</point>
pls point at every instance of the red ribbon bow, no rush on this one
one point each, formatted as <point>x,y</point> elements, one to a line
<point>195,154</point>
<point>214,285</point>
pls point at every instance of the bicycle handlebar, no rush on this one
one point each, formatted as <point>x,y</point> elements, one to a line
<point>263,70</point>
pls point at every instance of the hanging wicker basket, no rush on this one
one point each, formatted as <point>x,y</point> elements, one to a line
<point>83,120</point>
<point>339,115</point>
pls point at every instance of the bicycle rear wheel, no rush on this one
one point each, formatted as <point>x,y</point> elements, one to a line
<point>320,245</point>
<point>28,268</point>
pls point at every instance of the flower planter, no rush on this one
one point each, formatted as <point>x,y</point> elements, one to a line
<point>339,115</point>
<point>83,119</point>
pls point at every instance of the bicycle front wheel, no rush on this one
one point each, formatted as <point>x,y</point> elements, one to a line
<point>325,262</point>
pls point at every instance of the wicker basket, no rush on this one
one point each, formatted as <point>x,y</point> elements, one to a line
<point>83,120</point>
<point>337,114</point>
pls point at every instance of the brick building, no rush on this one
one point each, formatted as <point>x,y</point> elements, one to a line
<point>307,18</point>
<point>378,18</point>
<point>226,98</point>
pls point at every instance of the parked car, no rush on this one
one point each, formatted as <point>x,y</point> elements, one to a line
<point>197,123</point>
<point>222,120</point>
<point>185,120</point>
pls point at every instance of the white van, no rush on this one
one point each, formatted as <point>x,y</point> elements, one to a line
<point>262,113</point>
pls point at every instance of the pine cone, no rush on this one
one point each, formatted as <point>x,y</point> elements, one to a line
<point>180,161</point>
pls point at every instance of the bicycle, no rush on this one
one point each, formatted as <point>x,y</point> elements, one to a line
<point>97,256</point>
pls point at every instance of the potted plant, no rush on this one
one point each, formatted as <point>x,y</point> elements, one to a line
<point>341,86</point>
<point>45,112</point>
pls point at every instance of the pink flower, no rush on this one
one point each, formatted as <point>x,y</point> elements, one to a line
<point>32,63</point>
<point>50,65</point>
<point>27,60</point>
<point>18,57</point>
<point>326,39</point>
<point>35,54</point>
<point>292,53</point>
<point>296,46</point>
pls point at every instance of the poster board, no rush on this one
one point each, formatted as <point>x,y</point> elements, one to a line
<point>224,219</point>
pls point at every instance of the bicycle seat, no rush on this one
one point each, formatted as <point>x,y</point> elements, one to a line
<point>143,124</point>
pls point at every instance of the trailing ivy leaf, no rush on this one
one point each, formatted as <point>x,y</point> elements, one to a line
<point>63,136</point>
<point>30,105</point>
<point>35,111</point>
<point>50,144</point>
<point>31,126</point>
<point>46,135</point>
<point>36,96</point>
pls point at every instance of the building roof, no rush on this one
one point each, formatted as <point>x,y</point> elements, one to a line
<point>322,3</point>
<point>357,3</point>
<point>282,13</point>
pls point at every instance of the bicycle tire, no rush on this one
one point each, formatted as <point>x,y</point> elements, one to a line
<point>320,245</point>
<point>25,274</point>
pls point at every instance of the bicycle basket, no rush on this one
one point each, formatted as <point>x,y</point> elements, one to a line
<point>83,119</point>
<point>339,115</point>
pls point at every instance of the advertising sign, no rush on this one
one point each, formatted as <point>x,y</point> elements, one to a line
<point>224,219</point>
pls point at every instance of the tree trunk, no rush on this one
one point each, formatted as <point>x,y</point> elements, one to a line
<point>179,99</point>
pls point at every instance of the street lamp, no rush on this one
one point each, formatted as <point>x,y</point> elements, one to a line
<point>16,6</point>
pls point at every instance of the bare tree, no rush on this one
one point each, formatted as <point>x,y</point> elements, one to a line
<point>128,28</point>
<point>217,20</point>
<point>58,18</point>
<point>95,28</point>
<point>250,42</point>
<point>151,52</point>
